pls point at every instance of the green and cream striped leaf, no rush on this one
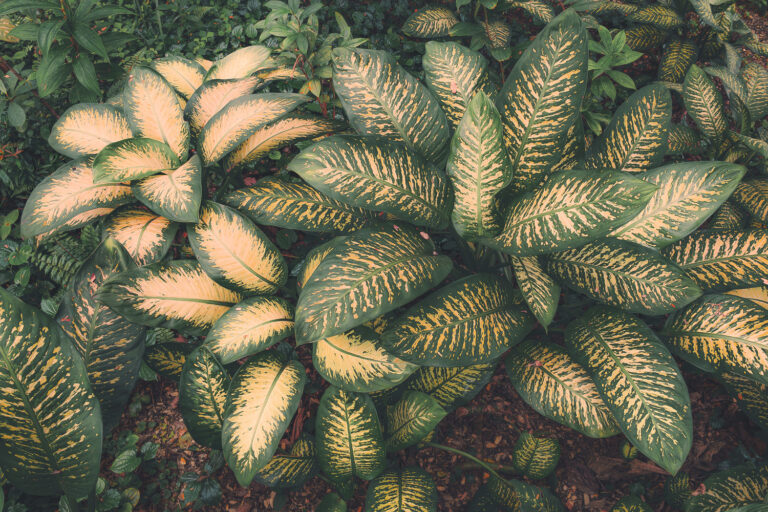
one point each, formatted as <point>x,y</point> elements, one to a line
<point>85,128</point>
<point>60,200</point>
<point>636,138</point>
<point>541,292</point>
<point>626,275</point>
<point>571,209</point>
<point>677,59</point>
<point>379,175</point>
<point>497,496</point>
<point>410,489</point>
<point>411,419</point>
<point>132,159</point>
<point>367,275</point>
<point>704,102</point>
<point>540,11</point>
<point>348,436</point>
<point>203,390</point>
<point>263,397</point>
<point>724,491</point>
<point>111,347</point>
<point>631,503</point>
<point>451,387</point>
<point>177,295</point>
<point>722,333</point>
<point>276,201</point>
<point>381,98</point>
<point>541,97</point>
<point>235,253</point>
<point>357,361</point>
<point>454,74</point>
<point>559,388</point>
<point>731,81</point>
<point>290,470</point>
<point>250,326</point>
<point>756,78</point>
<point>638,380</point>
<point>470,321</point>
<point>723,260</point>
<point>498,34</point>
<point>213,96</point>
<point>573,150</point>
<point>168,359</point>
<point>688,194</point>
<point>657,15</point>
<point>154,112</point>
<point>479,168</point>
<point>729,217</point>
<point>752,195</point>
<point>50,421</point>
<point>313,259</point>
<point>241,63</point>
<point>758,295</point>
<point>184,75</point>
<point>146,236</point>
<point>240,118</point>
<point>749,395</point>
<point>175,194</point>
<point>643,38</point>
<point>683,139</point>
<point>535,457</point>
<point>431,21</point>
<point>704,9</point>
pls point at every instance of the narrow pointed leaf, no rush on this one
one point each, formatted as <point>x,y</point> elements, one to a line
<point>726,490</point>
<point>168,359</point>
<point>292,469</point>
<point>541,292</point>
<point>658,16</point>
<point>756,78</point>
<point>146,236</point>
<point>175,194</point>
<point>203,390</point>
<point>411,419</point>
<point>430,21</point>
<point>132,159</point>
<point>213,96</point>
<point>184,75</point>
<point>241,63</point>
<point>409,489</point>
<point>704,102</point>
<point>451,387</point>
<point>85,128</point>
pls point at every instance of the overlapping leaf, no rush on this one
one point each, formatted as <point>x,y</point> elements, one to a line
<point>678,57</point>
<point>541,292</point>
<point>431,21</point>
<point>292,469</point>
<point>758,295</point>
<point>183,74</point>
<point>683,139</point>
<point>241,63</point>
<point>726,490</point>
<point>536,457</point>
<point>752,195</point>
<point>642,38</point>
<point>146,236</point>
<point>756,78</point>
<point>313,259</point>
<point>409,489</point>
<point>213,96</point>
<point>85,128</point>
<point>168,359</point>
<point>451,387</point>
<point>203,390</point>
<point>750,396</point>
<point>175,194</point>
<point>704,102</point>
<point>132,159</point>
<point>658,16</point>
<point>572,151</point>
<point>411,419</point>
<point>729,217</point>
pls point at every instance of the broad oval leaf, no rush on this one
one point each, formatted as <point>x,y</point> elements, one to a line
<point>451,387</point>
<point>184,75</point>
<point>331,502</point>
<point>348,436</point>
<point>749,395</point>
<point>177,295</point>
<point>132,159</point>
<point>683,139</point>
<point>676,59</point>
<point>498,495</point>
<point>643,38</point>
<point>411,419</point>
<point>541,97</point>
<point>175,194</point>
<point>146,236</point>
<point>704,102</point>
<point>541,292</point>
<point>658,16</point>
<point>85,128</point>
<point>726,490</point>
<point>377,174</point>
<point>235,253</point>
<point>275,201</point>
<point>357,361</point>
<point>573,150</point>
<point>638,380</point>
<point>626,275</point>
<point>50,420</point>
<point>470,321</point>
<point>688,194</point>
<point>213,96</point>
<point>729,217</point>
<point>752,195</point>
<point>430,21</point>
<point>368,274</point>
<point>263,397</point>
<point>290,470</point>
<point>409,489</point>
<point>758,295</point>
<point>203,390</point>
<point>571,209</point>
<point>536,457</point>
<point>756,78</point>
<point>313,259</point>
<point>381,98</point>
<point>250,326</point>
<point>241,63</point>
<point>168,359</point>
<point>559,388</point>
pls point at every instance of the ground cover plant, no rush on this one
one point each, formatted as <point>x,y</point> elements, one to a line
<point>417,233</point>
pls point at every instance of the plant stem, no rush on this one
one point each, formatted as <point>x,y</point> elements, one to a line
<point>497,467</point>
<point>471,457</point>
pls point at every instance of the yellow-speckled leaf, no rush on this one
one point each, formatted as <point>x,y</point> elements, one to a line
<point>749,395</point>
<point>241,63</point>
<point>704,102</point>
<point>50,421</point>
<point>658,16</point>
<point>262,400</point>
<point>631,503</point>
<point>729,217</point>
<point>276,201</point>
<point>624,274</point>
<point>688,194</point>
<point>559,388</point>
<point>235,253</point>
<point>411,419</point>
<point>722,333</point>
<point>536,457</point>
<point>213,96</point>
<point>727,490</point>
<point>541,97</point>
<point>636,138</point>
<point>313,259</point>
<point>250,327</point>
<point>202,397</point>
<point>540,11</point>
<point>676,60</point>
<point>431,21</point>
<point>357,361</point>
<point>57,201</point>
<point>146,236</point>
<point>683,139</point>
<point>756,78</point>
<point>278,73</point>
<point>177,295</point>
<point>86,128</point>
<point>451,387</point>
<point>168,359</point>
<point>290,470</point>
<point>381,98</point>
<point>752,195</point>
<point>368,274</point>
<point>348,436</point>
<point>409,489</point>
<point>569,210</point>
<point>723,260</point>
<point>498,495</point>
<point>643,38</point>
<point>176,193</point>
<point>758,295</point>
<point>470,321</point>
<point>153,110</point>
<point>377,174</point>
<point>6,25</point>
<point>541,292</point>
<point>184,75</point>
<point>638,380</point>
<point>573,149</point>
<point>240,118</point>
<point>132,159</point>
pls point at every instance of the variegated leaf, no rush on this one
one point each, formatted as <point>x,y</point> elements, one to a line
<point>146,236</point>
<point>235,253</point>
<point>263,397</point>
<point>85,128</point>
<point>573,150</point>
<point>638,380</point>
<point>626,275</point>
<point>729,217</point>
<point>498,495</point>
<point>213,96</point>
<point>726,490</point>
<point>539,10</point>
<point>756,78</point>
<point>381,98</point>
<point>541,292</point>
<point>643,38</point>
<point>498,34</point>
<point>758,295</point>
<point>535,457</point>
<point>749,395</point>
<point>175,194</point>
<point>688,194</point>
<point>313,259</point>
<point>276,201</point>
<point>559,388</point>
<point>752,195</point>
<point>678,57</point>
<point>657,15</point>
<point>541,96</point>
<point>704,102</point>
<point>177,295</point>
<point>411,419</point>
<point>451,387</point>
<point>731,81</point>
<point>683,139</point>
<point>430,21</point>
<point>241,63</point>
<point>132,159</point>
<point>470,321</point>
<point>203,390</point>
<point>290,470</point>
<point>569,210</point>
<point>168,359</point>
<point>631,503</point>
<point>409,489</point>
<point>184,75</point>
